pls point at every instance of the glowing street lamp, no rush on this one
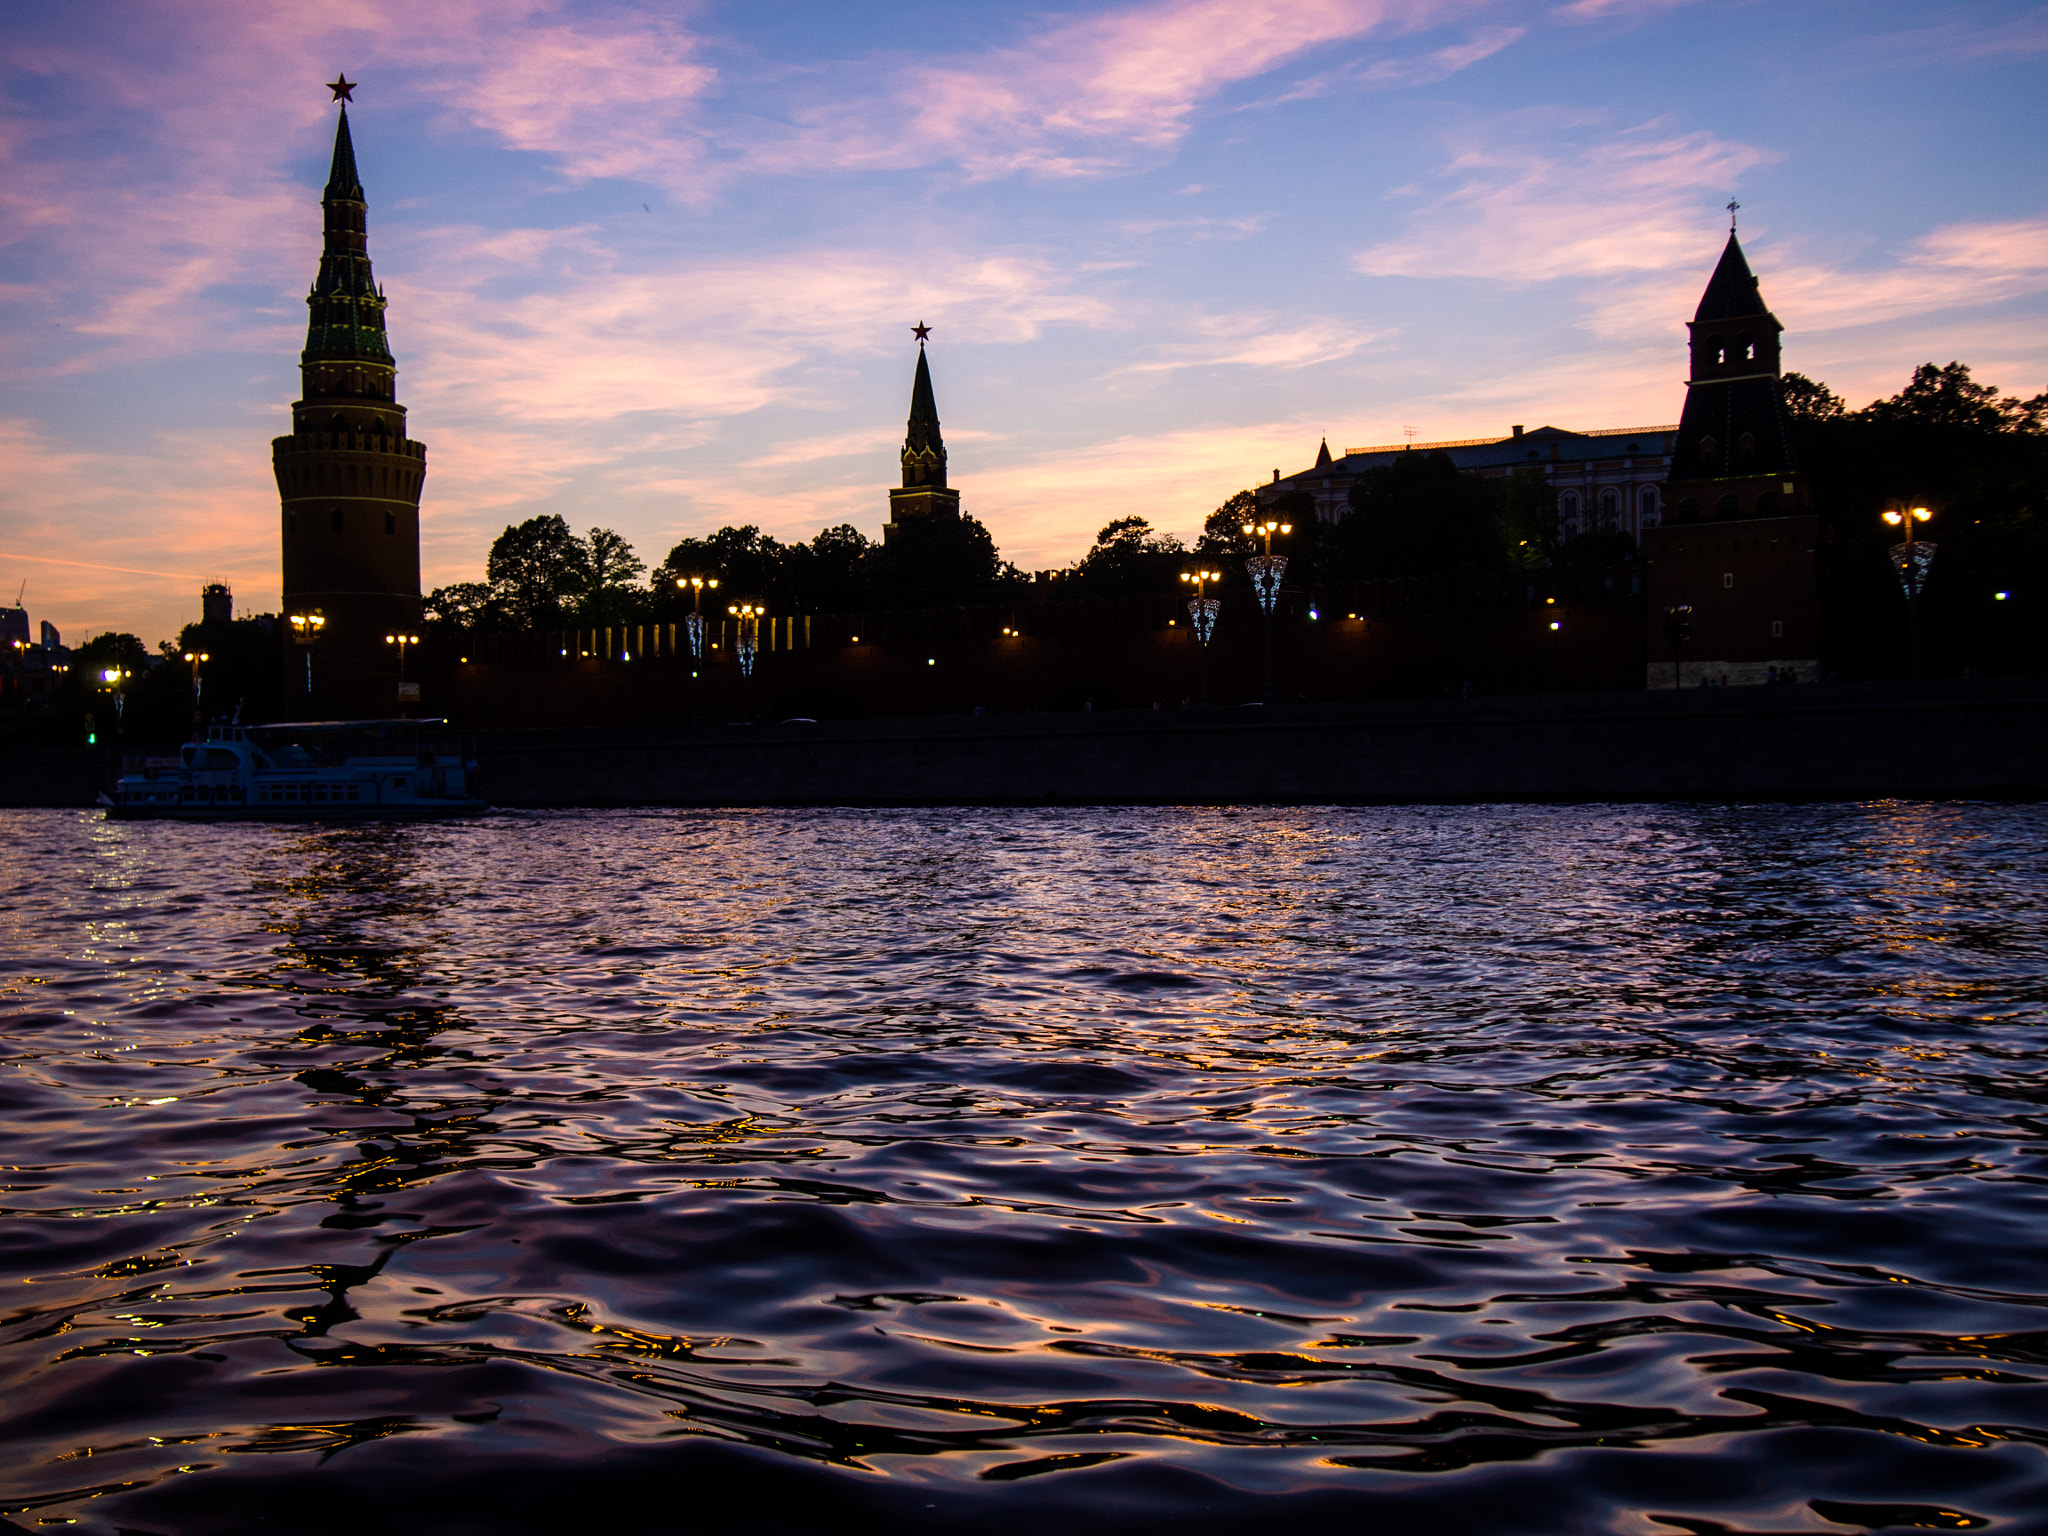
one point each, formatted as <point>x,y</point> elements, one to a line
<point>747,645</point>
<point>114,677</point>
<point>1202,613</point>
<point>1266,571</point>
<point>306,629</point>
<point>402,641</point>
<point>197,660</point>
<point>693,626</point>
<point>1911,560</point>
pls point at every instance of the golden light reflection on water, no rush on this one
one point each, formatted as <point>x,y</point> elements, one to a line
<point>976,1149</point>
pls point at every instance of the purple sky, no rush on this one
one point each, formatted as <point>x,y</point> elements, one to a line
<point>653,267</point>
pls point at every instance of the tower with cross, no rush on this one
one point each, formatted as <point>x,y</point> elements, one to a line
<point>1735,455</point>
<point>1737,553</point>
<point>348,476</point>
<point>924,493</point>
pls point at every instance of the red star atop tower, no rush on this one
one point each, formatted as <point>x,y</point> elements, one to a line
<point>920,330</point>
<point>344,88</point>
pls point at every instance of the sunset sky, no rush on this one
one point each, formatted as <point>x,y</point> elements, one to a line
<point>654,266</point>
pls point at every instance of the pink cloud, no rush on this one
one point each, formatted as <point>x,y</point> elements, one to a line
<point>1522,211</point>
<point>1081,97</point>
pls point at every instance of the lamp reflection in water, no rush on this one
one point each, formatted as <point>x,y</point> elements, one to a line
<point>1911,560</point>
<point>1266,573</point>
<point>1202,613</point>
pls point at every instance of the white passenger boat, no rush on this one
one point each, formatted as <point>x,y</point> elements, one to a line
<point>331,770</point>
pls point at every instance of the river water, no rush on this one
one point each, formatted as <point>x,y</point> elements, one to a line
<point>1512,1170</point>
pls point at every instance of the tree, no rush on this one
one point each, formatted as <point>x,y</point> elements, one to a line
<point>824,575</point>
<point>1129,557</point>
<point>1948,399</point>
<point>109,650</point>
<point>465,605</point>
<point>934,562</point>
<point>1223,536</point>
<point>1979,459</point>
<point>537,568</point>
<point>611,573</point>
<point>749,565</point>
<point>1807,400</point>
<point>1420,514</point>
<point>1529,525</point>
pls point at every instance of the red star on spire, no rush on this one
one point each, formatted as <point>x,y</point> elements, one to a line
<point>920,330</point>
<point>344,88</point>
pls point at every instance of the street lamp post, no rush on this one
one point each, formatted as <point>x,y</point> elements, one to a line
<point>1678,630</point>
<point>1202,613</point>
<point>197,660</point>
<point>114,677</point>
<point>306,629</point>
<point>1911,560</point>
<point>746,645</point>
<point>693,626</point>
<point>1266,571</point>
<point>402,641</point>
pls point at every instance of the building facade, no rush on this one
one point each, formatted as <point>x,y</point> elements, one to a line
<point>348,477</point>
<point>1610,478</point>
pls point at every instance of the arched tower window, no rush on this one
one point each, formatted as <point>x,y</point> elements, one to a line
<point>1745,447</point>
<point>1717,349</point>
<point>1710,451</point>
<point>1649,501</point>
<point>1747,346</point>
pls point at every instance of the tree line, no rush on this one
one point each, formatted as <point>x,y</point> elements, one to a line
<point>1978,457</point>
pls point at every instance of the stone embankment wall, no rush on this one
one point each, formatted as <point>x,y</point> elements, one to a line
<point>1943,739</point>
<point>1834,741</point>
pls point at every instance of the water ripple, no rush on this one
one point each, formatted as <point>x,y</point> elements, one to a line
<point>1505,1170</point>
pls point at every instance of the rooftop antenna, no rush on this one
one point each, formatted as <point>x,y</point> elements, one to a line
<point>18,596</point>
<point>1732,206</point>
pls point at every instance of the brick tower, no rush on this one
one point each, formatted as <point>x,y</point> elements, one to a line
<point>1732,574</point>
<point>923,492</point>
<point>348,477</point>
<point>1735,456</point>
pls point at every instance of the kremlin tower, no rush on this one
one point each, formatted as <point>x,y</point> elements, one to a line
<point>348,477</point>
<point>923,493</point>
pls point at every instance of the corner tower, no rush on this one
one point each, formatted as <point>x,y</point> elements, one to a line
<point>924,492</point>
<point>348,477</point>
<point>1735,456</point>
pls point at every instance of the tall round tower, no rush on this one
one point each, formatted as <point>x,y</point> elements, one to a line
<point>348,477</point>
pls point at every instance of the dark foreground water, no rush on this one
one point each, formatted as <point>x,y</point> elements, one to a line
<point>1512,1170</point>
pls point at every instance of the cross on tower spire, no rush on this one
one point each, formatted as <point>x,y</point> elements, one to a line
<point>1732,206</point>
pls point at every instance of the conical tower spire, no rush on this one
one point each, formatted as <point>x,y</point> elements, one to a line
<point>348,477</point>
<point>1732,291</point>
<point>923,493</point>
<point>342,180</point>
<point>924,450</point>
<point>346,319</point>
